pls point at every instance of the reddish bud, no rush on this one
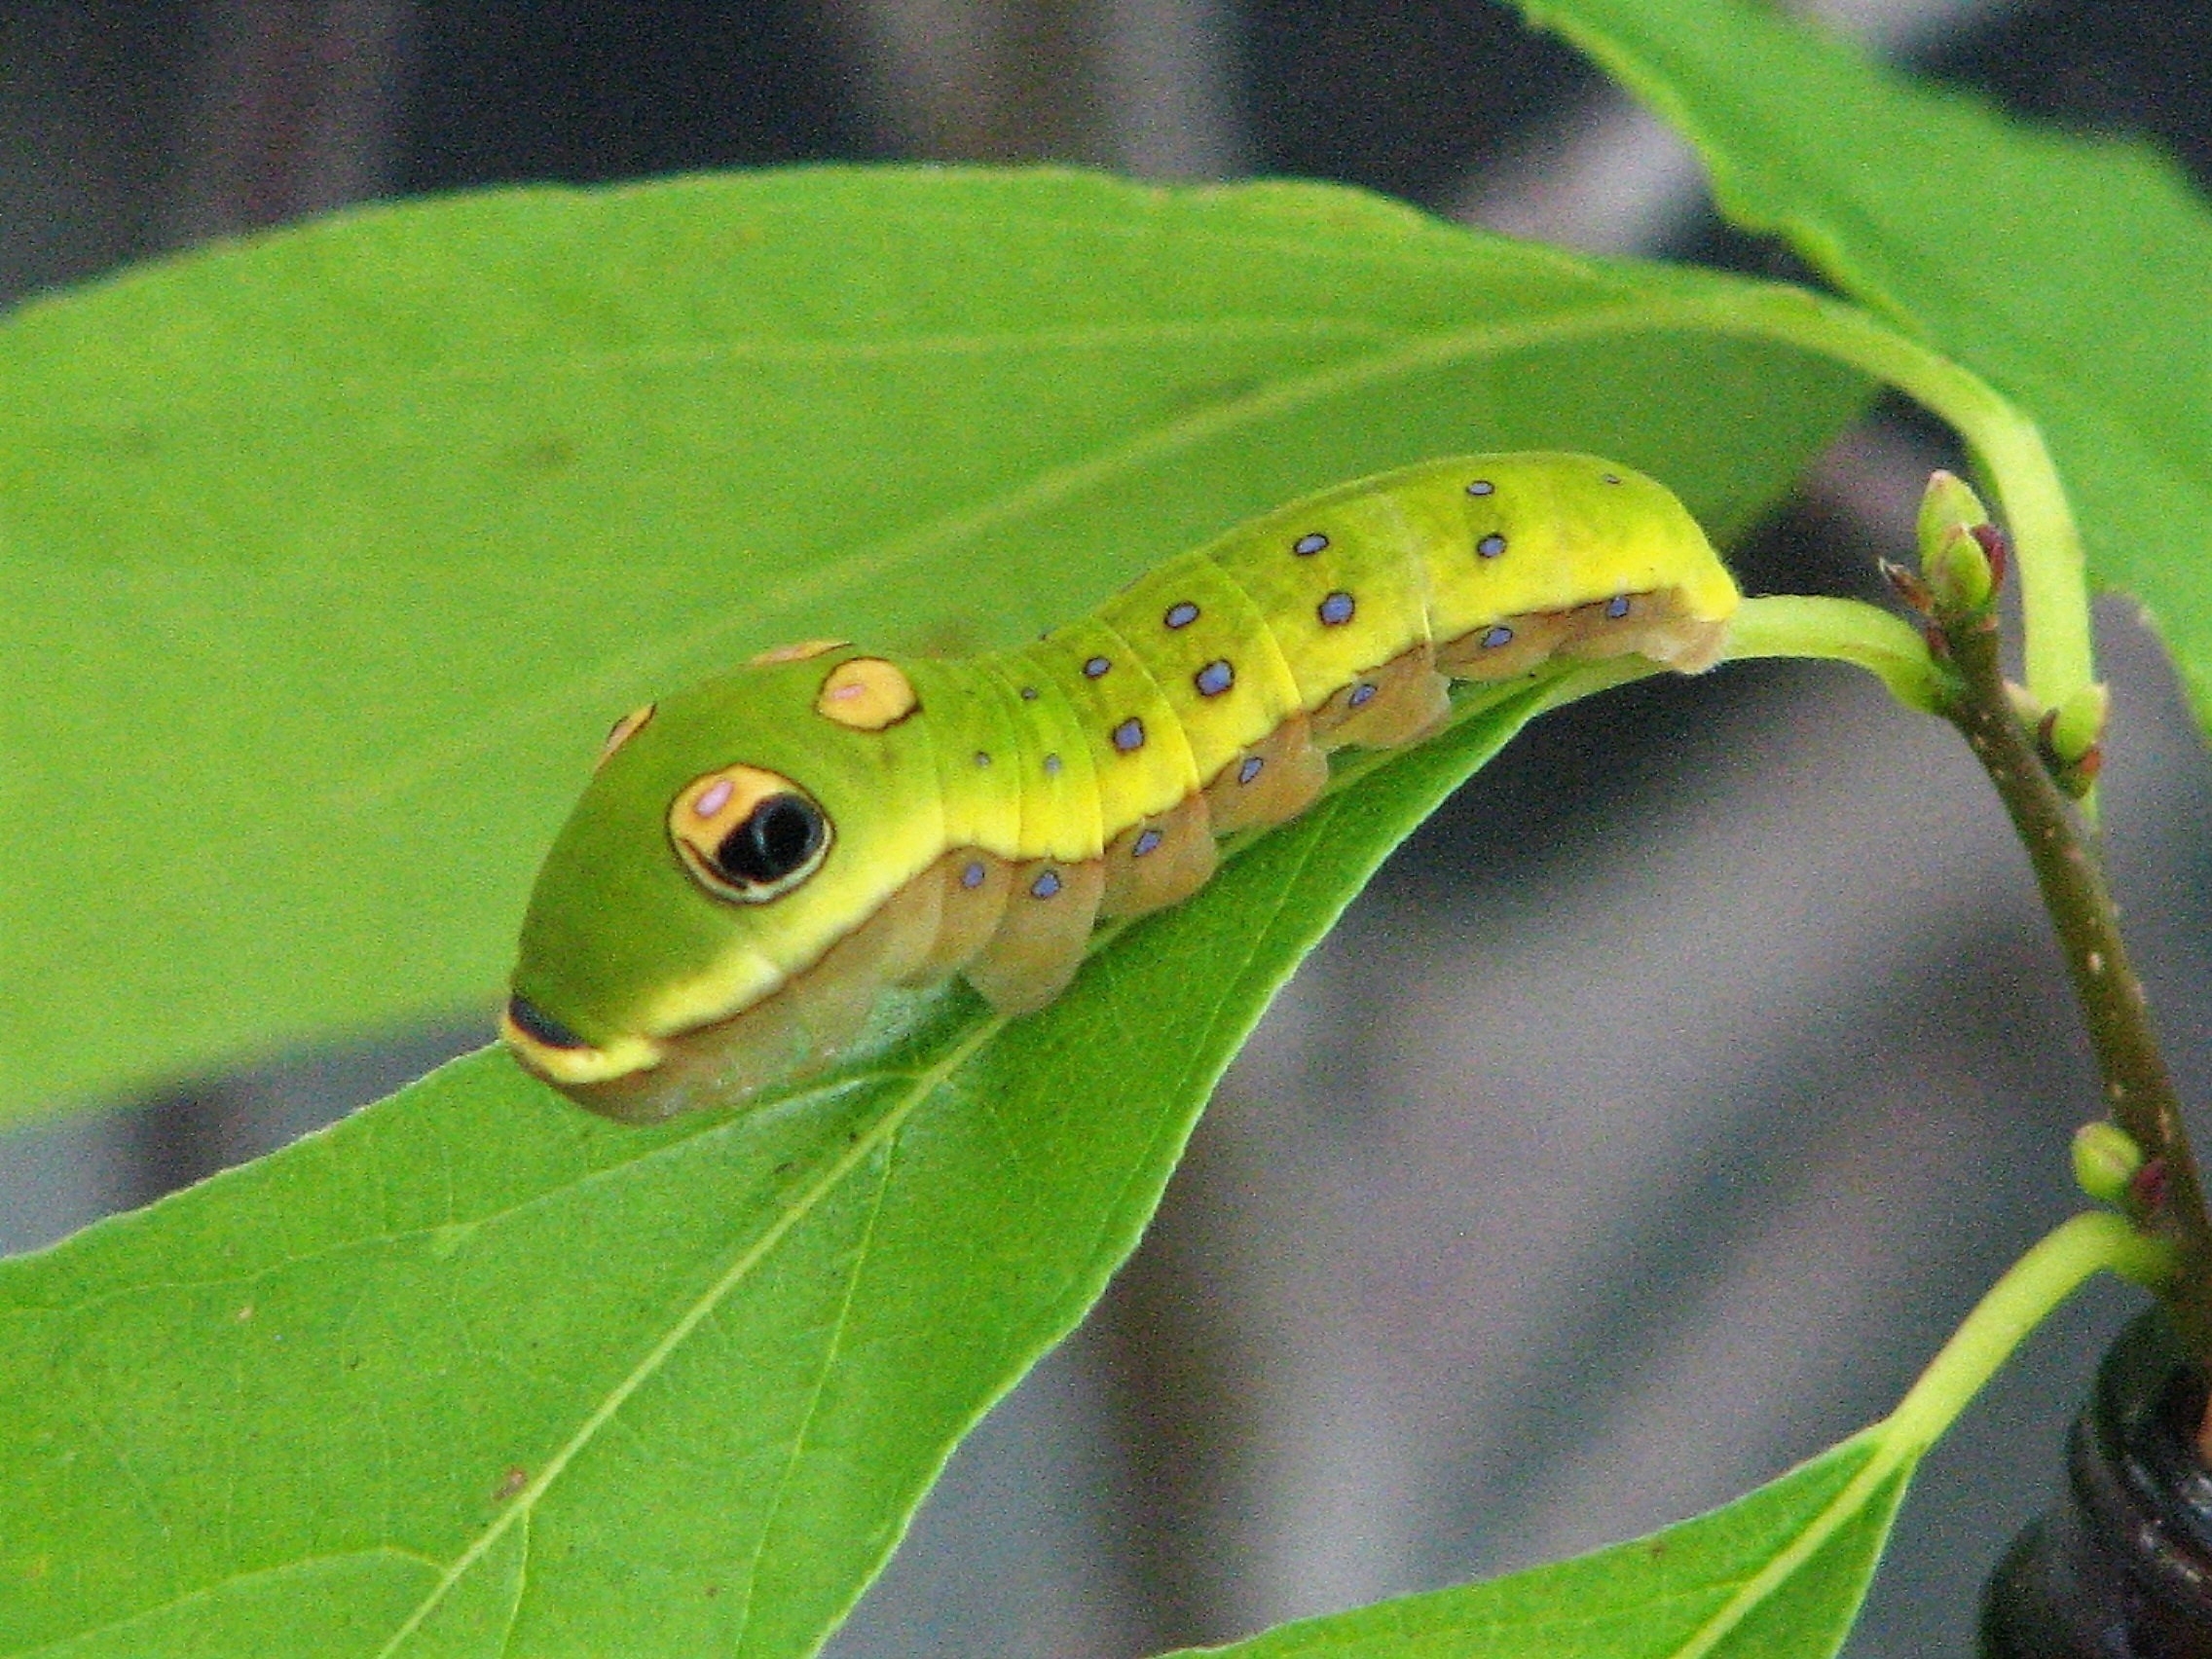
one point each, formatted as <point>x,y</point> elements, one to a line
<point>2147,1189</point>
<point>1996,548</point>
<point>1907,586</point>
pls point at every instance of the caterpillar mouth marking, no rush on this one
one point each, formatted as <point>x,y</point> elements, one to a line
<point>558,1055</point>
<point>538,1023</point>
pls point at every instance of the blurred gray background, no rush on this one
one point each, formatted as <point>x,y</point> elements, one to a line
<point>1667,1099</point>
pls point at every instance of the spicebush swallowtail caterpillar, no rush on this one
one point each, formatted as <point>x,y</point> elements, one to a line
<point>757,859</point>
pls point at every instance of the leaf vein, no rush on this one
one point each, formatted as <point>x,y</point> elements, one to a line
<point>747,1260</point>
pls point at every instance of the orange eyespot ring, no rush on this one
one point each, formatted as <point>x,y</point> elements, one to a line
<point>623,729</point>
<point>748,833</point>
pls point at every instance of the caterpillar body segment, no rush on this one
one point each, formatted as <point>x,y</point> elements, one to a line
<point>757,858</point>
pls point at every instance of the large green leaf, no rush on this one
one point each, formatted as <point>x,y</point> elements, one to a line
<point>2071,272</point>
<point>474,1372</point>
<point>329,556</point>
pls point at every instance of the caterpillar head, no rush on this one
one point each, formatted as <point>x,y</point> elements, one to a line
<point>730,836</point>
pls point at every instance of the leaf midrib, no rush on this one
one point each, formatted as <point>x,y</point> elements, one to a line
<point>802,1204</point>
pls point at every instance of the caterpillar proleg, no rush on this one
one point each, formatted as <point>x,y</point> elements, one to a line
<point>757,858</point>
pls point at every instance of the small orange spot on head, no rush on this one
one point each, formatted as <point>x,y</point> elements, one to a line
<point>799,652</point>
<point>867,694</point>
<point>625,730</point>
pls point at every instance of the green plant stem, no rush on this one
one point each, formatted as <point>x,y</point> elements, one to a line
<point>2007,444</point>
<point>2057,1265</point>
<point>2138,1089</point>
<point>2032,1288</point>
<point>1841,630</point>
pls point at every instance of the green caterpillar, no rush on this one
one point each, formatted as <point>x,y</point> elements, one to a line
<point>757,858</point>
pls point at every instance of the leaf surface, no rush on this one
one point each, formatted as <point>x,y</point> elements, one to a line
<point>474,1372</point>
<point>331,555</point>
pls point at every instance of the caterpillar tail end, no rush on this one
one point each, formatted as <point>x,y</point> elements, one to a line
<point>1692,646</point>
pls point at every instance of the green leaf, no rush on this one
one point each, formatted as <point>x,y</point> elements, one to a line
<point>329,556</point>
<point>1778,1573</point>
<point>1781,1570</point>
<point>2070,272</point>
<point>473,1371</point>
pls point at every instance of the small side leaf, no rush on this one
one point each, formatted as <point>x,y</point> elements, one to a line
<point>1780,1572</point>
<point>1777,1574</point>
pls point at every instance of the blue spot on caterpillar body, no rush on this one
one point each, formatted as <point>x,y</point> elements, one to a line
<point>757,858</point>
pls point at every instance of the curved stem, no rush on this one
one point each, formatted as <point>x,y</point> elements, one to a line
<point>2050,1272</point>
<point>1840,630</point>
<point>2008,446</point>
<point>2031,1289</point>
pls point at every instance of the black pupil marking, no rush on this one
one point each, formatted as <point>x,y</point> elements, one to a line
<point>777,837</point>
<point>1305,546</point>
<point>1181,615</point>
<point>1214,679</point>
<point>542,1025</point>
<point>1491,546</point>
<point>1482,486</point>
<point>1095,668</point>
<point>1128,736</point>
<point>1335,609</point>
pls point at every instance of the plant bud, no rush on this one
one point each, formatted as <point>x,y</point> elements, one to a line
<point>1953,559</point>
<point>2106,1158</point>
<point>2079,724</point>
<point>1949,505</point>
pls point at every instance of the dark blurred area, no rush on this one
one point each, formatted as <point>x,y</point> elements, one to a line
<point>1668,1098</point>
